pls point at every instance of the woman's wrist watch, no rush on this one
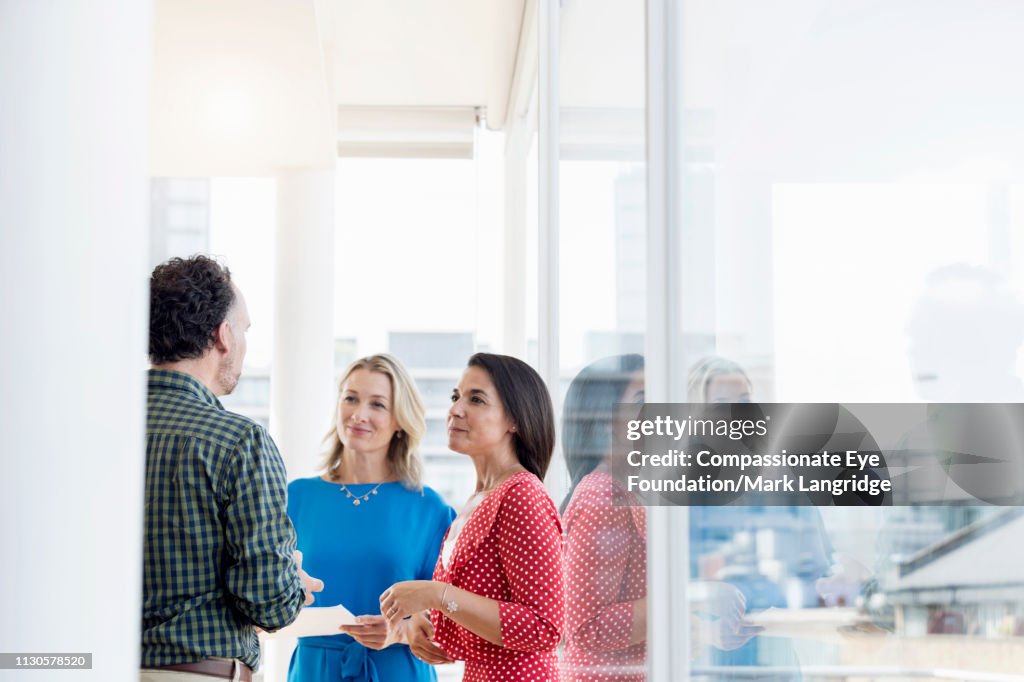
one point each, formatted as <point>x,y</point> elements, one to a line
<point>450,605</point>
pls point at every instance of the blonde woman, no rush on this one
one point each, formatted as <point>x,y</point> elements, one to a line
<point>366,523</point>
<point>732,585</point>
<point>716,379</point>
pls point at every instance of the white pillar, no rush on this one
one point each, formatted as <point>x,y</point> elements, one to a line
<point>514,251</point>
<point>74,221</point>
<point>302,376</point>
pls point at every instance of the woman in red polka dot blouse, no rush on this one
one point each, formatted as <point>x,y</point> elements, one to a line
<point>497,600</point>
<point>605,538</point>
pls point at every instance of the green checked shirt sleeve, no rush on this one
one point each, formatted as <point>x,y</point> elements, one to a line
<point>260,572</point>
<point>217,550</point>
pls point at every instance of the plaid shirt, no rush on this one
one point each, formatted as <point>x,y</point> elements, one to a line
<point>217,555</point>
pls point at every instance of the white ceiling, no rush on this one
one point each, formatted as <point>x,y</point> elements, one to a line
<point>423,53</point>
<point>245,87</point>
<point>238,87</point>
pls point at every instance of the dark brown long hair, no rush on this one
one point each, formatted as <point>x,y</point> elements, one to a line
<point>527,403</point>
<point>588,414</point>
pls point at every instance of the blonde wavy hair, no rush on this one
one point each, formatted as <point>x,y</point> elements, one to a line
<point>410,415</point>
<point>704,371</point>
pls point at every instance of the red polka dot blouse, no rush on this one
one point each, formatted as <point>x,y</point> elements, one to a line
<point>605,571</point>
<point>510,550</point>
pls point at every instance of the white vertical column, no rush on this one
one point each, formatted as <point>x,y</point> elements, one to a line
<point>302,376</point>
<point>514,252</point>
<point>74,218</point>
<point>668,648</point>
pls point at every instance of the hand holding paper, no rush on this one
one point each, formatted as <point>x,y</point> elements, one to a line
<point>719,616</point>
<point>315,620</point>
<point>370,631</point>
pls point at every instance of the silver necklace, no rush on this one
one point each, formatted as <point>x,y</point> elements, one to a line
<point>359,499</point>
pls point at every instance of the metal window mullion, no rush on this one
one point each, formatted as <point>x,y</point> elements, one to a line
<point>548,205</point>
<point>668,648</point>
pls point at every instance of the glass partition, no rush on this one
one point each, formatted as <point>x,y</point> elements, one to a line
<point>852,175</point>
<point>602,293</point>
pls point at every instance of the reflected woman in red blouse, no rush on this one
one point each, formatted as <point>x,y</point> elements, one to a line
<point>497,600</point>
<point>605,538</point>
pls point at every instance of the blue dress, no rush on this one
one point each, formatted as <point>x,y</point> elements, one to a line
<point>360,551</point>
<point>802,545</point>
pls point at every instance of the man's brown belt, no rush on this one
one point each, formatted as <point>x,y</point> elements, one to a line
<point>215,668</point>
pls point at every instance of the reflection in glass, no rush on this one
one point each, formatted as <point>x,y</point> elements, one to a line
<point>605,538</point>
<point>753,559</point>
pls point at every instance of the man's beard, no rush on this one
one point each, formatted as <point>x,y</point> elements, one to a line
<point>228,375</point>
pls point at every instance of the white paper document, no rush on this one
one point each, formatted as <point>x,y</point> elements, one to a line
<point>313,621</point>
<point>811,623</point>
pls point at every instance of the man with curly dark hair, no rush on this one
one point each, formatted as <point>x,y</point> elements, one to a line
<point>197,322</point>
<point>219,554</point>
